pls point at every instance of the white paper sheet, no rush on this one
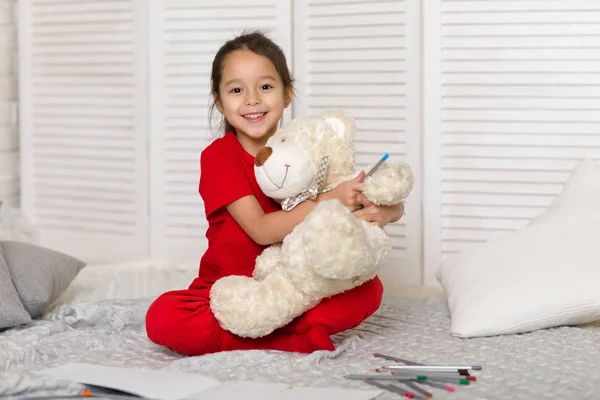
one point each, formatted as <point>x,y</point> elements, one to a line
<point>152,384</point>
<point>236,390</point>
<point>172,385</point>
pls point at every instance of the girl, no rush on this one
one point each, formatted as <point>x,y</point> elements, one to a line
<point>251,87</point>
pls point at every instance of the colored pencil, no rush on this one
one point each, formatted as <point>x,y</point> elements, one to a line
<point>393,389</point>
<point>417,388</point>
<point>432,367</point>
<point>376,166</point>
<point>436,385</point>
<point>385,377</point>
<point>440,374</point>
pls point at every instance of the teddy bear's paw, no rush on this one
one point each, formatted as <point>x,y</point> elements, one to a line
<point>338,243</point>
<point>267,262</point>
<point>390,184</point>
<point>250,308</point>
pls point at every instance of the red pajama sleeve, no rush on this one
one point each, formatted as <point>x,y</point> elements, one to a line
<point>222,181</point>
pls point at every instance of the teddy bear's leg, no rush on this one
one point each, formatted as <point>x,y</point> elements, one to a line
<point>390,184</point>
<point>267,261</point>
<point>338,245</point>
<point>251,308</point>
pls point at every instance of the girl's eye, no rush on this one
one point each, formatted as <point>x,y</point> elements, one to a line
<point>236,90</point>
<point>266,87</point>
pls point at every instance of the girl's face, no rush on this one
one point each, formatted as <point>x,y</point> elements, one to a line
<point>252,96</point>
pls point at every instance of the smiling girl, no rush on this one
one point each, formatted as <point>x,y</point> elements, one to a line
<point>251,88</point>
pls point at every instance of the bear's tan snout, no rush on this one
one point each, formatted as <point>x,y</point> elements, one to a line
<point>262,156</point>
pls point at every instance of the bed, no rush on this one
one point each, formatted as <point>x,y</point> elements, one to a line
<point>100,319</point>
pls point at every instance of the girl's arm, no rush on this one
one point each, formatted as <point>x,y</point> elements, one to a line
<point>378,215</point>
<point>266,229</point>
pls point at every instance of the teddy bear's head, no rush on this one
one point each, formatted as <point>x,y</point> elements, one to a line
<point>303,151</point>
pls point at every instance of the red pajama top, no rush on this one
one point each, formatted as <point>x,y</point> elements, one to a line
<point>227,174</point>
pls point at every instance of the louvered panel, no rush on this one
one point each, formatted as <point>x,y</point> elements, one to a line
<point>9,171</point>
<point>363,57</point>
<point>519,104</point>
<point>83,126</point>
<point>186,35</point>
<point>9,185</point>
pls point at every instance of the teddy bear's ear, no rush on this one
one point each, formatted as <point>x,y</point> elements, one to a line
<point>341,122</point>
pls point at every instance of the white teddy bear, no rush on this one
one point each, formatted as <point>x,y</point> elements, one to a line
<point>331,251</point>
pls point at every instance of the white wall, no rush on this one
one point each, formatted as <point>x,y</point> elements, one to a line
<point>9,187</point>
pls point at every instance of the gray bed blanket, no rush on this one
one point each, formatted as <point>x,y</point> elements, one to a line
<point>553,363</point>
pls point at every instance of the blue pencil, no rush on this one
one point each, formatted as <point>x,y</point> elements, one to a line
<point>376,166</point>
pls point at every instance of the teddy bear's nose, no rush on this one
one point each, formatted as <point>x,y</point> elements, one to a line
<point>262,156</point>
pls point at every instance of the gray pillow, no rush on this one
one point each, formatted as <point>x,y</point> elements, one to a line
<point>39,275</point>
<point>12,312</point>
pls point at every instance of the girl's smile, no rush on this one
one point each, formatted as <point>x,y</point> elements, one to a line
<point>255,117</point>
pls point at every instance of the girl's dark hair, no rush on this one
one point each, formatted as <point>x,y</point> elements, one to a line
<point>258,43</point>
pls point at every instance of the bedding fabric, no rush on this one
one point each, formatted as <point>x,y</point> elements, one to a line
<point>552,363</point>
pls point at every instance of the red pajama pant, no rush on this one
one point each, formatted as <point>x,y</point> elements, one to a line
<point>183,321</point>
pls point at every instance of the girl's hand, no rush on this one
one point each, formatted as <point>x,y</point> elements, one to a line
<point>347,192</point>
<point>379,215</point>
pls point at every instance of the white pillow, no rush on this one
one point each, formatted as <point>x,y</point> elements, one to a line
<point>544,275</point>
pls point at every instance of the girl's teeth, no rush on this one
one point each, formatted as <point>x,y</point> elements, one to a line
<point>253,116</point>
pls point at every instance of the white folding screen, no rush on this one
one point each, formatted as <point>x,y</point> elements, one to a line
<point>83,125</point>
<point>512,103</point>
<point>9,175</point>
<point>364,57</point>
<point>184,37</point>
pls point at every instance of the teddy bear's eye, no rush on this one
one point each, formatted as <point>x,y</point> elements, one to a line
<point>282,140</point>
